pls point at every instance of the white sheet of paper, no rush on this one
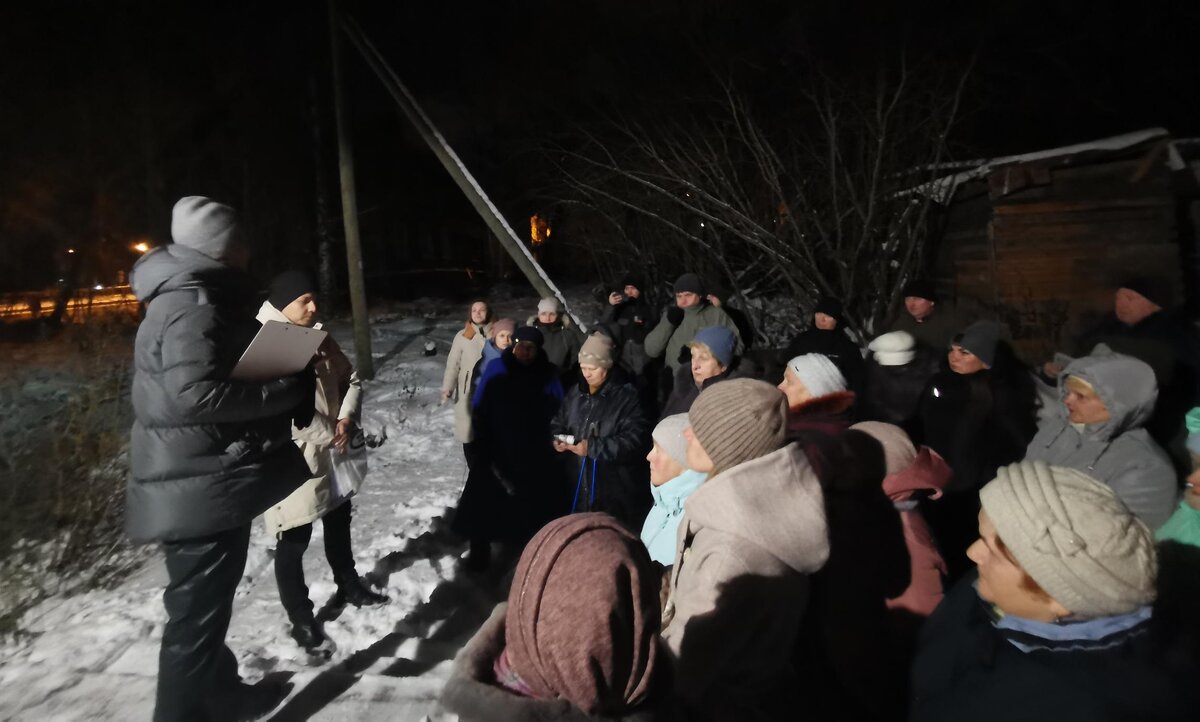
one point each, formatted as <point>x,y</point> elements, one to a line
<point>280,349</point>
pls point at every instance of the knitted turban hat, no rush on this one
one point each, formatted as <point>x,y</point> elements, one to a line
<point>739,420</point>
<point>1074,537</point>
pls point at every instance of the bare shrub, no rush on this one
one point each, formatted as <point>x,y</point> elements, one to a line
<point>63,438</point>
<point>810,197</point>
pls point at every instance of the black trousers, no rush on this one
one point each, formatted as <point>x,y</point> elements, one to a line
<point>195,668</point>
<point>289,560</point>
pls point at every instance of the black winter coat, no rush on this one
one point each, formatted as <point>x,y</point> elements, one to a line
<point>893,394</point>
<point>614,476</point>
<point>512,487</point>
<point>629,321</point>
<point>206,454</point>
<point>837,346</point>
<point>685,391</point>
<point>978,423</point>
<point>966,669</point>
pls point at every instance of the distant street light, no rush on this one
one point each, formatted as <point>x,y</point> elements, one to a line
<point>141,247</point>
<point>70,250</point>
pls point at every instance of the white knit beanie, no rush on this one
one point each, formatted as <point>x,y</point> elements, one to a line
<point>548,305</point>
<point>204,225</point>
<point>893,349</point>
<point>1074,537</point>
<point>669,437</point>
<point>818,374</point>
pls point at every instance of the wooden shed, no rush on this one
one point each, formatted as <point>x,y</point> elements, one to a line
<point>1039,241</point>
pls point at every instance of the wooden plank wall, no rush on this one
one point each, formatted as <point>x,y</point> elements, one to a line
<point>1045,258</point>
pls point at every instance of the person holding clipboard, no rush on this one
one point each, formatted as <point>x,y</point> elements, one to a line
<point>338,405</point>
<point>208,453</point>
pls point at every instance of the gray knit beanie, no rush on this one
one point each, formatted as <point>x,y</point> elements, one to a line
<point>739,420</point>
<point>669,437</point>
<point>980,338</point>
<point>1074,537</point>
<point>204,225</point>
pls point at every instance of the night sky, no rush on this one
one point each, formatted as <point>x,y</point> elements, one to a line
<point>112,110</point>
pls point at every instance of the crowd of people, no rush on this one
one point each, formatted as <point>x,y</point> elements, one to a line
<point>898,529</point>
<point>890,529</point>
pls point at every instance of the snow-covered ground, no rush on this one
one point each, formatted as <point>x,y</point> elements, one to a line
<point>94,656</point>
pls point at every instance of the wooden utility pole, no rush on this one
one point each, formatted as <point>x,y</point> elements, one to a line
<point>458,170</point>
<point>358,295</point>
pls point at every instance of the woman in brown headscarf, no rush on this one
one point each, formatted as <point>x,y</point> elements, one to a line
<point>578,637</point>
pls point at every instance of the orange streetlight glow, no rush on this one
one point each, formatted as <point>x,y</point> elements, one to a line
<point>141,247</point>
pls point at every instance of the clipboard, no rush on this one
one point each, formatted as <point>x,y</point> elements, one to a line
<point>279,349</point>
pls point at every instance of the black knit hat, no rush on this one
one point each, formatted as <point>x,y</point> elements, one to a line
<point>921,289</point>
<point>530,334</point>
<point>288,286</point>
<point>830,307</point>
<point>633,279</point>
<point>1154,290</point>
<point>689,283</point>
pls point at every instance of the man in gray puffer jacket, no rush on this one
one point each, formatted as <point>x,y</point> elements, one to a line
<point>207,454</point>
<point>1106,399</point>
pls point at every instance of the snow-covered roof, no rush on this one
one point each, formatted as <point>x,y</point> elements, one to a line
<point>942,189</point>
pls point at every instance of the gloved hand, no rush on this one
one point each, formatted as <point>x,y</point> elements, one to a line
<point>302,414</point>
<point>674,315</point>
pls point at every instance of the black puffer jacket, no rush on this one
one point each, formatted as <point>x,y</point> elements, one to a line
<point>618,436</point>
<point>892,394</point>
<point>206,454</point>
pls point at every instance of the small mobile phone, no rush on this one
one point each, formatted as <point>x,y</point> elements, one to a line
<point>565,438</point>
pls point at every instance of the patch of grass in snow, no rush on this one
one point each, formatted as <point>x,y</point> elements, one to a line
<point>64,423</point>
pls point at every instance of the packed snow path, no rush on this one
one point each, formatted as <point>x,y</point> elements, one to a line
<point>95,656</point>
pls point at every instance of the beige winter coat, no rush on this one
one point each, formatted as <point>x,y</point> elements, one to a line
<point>339,396</point>
<point>749,538</point>
<point>460,370</point>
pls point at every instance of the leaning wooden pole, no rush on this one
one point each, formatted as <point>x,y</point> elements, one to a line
<point>458,171</point>
<point>364,363</point>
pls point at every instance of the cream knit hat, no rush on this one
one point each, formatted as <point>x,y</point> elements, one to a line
<point>1074,537</point>
<point>597,351</point>
<point>739,420</point>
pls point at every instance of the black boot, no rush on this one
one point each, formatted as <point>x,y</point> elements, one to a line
<point>309,636</point>
<point>353,590</point>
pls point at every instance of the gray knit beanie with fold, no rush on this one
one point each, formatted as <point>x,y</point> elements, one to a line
<point>739,420</point>
<point>205,226</point>
<point>1074,537</point>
